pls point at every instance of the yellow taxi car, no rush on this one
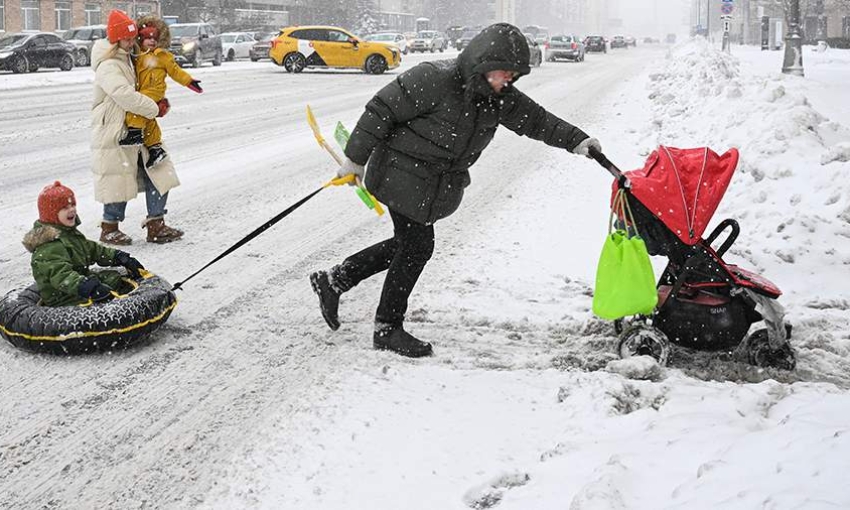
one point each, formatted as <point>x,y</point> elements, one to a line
<point>297,48</point>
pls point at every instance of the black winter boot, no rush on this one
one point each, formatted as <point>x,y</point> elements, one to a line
<point>134,136</point>
<point>328,298</point>
<point>155,155</point>
<point>398,340</point>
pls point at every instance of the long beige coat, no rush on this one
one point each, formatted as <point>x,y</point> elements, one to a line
<point>114,166</point>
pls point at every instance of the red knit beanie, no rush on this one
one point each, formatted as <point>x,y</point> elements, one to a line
<point>148,31</point>
<point>51,200</point>
<point>119,26</point>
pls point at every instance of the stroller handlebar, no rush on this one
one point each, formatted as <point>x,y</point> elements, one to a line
<point>606,163</point>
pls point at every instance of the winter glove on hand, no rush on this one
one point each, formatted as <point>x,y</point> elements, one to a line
<point>195,86</point>
<point>132,265</point>
<point>91,288</point>
<point>164,106</point>
<point>350,167</point>
<point>583,148</point>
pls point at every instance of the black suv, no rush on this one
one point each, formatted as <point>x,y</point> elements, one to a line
<point>595,43</point>
<point>195,43</point>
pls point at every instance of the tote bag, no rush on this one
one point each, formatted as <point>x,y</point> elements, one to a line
<point>625,282</point>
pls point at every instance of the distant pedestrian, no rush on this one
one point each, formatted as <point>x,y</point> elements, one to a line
<point>419,135</point>
<point>119,170</point>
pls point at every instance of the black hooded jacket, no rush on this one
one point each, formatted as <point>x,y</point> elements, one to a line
<point>422,132</point>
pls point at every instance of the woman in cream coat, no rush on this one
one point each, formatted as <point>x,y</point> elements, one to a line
<point>119,170</point>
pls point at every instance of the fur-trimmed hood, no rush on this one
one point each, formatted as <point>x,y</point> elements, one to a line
<point>41,233</point>
<point>164,40</point>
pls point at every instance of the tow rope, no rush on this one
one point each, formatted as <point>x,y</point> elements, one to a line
<point>265,226</point>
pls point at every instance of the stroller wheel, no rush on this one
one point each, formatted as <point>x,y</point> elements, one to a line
<point>643,340</point>
<point>761,354</point>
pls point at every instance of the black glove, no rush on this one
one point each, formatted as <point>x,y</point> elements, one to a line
<point>195,86</point>
<point>132,265</point>
<point>91,288</point>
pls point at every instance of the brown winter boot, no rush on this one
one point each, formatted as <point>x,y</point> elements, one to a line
<point>159,232</point>
<point>110,234</point>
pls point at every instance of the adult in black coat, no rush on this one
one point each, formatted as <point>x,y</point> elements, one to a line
<point>419,136</point>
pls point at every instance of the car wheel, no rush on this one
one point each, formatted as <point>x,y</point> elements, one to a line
<point>20,65</point>
<point>196,60</point>
<point>253,59</point>
<point>217,59</point>
<point>406,51</point>
<point>67,62</point>
<point>376,64</point>
<point>82,58</point>
<point>231,56</point>
<point>294,62</point>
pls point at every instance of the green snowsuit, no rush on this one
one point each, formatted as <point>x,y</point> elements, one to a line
<point>61,257</point>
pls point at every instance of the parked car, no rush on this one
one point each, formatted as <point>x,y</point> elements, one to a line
<point>651,40</point>
<point>300,47</point>
<point>21,53</point>
<point>428,40</point>
<point>631,41</point>
<point>195,43</point>
<point>565,47</point>
<point>463,42</point>
<point>536,51</point>
<point>595,43</point>
<point>619,42</point>
<point>236,45</point>
<point>394,38</point>
<point>83,39</point>
<point>260,49</point>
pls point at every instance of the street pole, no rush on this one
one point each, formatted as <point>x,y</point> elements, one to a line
<point>821,33</point>
<point>793,63</point>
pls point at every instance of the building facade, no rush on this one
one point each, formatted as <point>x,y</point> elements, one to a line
<point>60,15</point>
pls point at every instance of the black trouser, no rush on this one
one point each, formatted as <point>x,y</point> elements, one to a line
<point>403,257</point>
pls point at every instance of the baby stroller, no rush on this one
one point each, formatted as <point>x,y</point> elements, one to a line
<point>703,302</point>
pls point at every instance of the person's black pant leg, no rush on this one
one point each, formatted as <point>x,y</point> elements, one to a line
<point>414,247</point>
<point>404,255</point>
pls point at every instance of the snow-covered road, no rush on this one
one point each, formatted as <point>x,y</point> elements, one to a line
<point>246,356</point>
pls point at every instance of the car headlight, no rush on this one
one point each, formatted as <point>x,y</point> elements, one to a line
<point>189,46</point>
<point>5,54</point>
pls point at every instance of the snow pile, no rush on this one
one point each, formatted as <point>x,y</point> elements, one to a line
<point>790,192</point>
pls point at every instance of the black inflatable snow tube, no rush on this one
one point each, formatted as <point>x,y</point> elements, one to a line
<point>115,324</point>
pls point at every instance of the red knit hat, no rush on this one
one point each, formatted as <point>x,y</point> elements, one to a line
<point>119,26</point>
<point>148,31</point>
<point>51,200</point>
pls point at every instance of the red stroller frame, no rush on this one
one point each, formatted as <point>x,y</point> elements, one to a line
<point>703,302</point>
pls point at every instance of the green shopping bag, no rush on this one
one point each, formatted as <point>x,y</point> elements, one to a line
<point>625,282</point>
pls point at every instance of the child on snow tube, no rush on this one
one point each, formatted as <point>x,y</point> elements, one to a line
<point>61,254</point>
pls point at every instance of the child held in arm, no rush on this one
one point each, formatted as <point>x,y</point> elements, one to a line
<point>153,64</point>
<point>61,254</point>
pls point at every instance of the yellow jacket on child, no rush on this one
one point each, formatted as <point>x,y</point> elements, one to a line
<point>151,69</point>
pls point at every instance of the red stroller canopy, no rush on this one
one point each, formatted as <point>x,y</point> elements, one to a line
<point>682,187</point>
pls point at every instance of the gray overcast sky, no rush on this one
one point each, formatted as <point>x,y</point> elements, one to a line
<point>654,17</point>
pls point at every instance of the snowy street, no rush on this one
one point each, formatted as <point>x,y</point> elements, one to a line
<point>245,399</point>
